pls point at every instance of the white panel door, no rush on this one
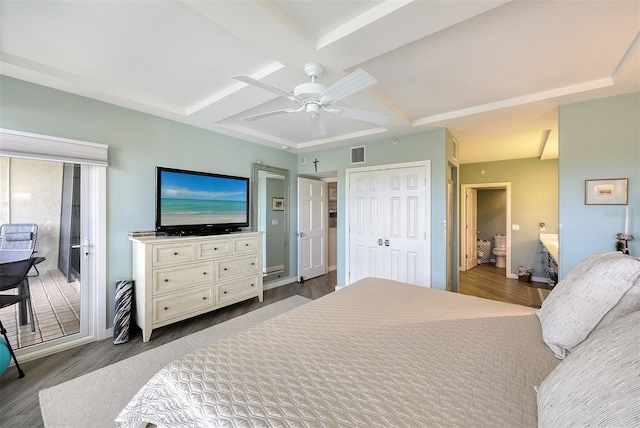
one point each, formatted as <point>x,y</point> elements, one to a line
<point>471,234</point>
<point>312,228</point>
<point>388,235</point>
<point>366,255</point>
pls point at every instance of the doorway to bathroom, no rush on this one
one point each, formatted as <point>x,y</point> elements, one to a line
<point>485,211</point>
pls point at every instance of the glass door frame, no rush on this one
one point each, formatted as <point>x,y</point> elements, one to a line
<point>93,268</point>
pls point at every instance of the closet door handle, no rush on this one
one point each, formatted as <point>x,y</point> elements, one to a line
<point>380,242</point>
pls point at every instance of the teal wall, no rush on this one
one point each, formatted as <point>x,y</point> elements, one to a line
<point>492,213</point>
<point>430,145</point>
<point>137,143</point>
<point>599,139</point>
<point>534,199</point>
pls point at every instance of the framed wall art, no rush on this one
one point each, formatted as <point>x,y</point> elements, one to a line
<point>277,204</point>
<point>612,191</point>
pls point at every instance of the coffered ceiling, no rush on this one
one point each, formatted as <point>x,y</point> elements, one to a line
<point>492,72</point>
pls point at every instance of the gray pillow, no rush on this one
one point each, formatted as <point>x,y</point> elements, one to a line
<point>582,299</point>
<point>597,385</point>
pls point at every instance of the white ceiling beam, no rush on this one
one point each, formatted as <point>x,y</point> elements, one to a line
<point>512,102</point>
<point>374,14</point>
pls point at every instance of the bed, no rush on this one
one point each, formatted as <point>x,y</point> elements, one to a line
<point>378,353</point>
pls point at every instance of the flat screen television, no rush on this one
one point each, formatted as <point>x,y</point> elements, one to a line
<point>200,203</point>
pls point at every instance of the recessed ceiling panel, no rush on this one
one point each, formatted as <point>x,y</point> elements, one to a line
<point>516,50</point>
<point>161,50</point>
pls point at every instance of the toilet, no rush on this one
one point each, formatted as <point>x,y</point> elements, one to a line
<point>500,250</point>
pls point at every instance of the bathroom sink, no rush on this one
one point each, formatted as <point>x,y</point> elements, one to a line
<point>550,241</point>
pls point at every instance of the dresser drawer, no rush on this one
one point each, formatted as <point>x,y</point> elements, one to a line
<point>233,290</point>
<point>176,278</point>
<point>211,249</point>
<point>238,266</point>
<point>245,245</point>
<point>189,303</point>
<point>174,253</point>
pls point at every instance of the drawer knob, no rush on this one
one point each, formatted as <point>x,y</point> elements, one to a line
<point>225,292</point>
<point>225,268</point>
<point>215,248</point>
<point>252,285</point>
<point>246,245</point>
<point>175,253</point>
<point>204,273</point>
<point>204,298</point>
<point>253,264</point>
<point>166,280</point>
<point>166,308</point>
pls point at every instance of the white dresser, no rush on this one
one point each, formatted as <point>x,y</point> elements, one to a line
<point>181,277</point>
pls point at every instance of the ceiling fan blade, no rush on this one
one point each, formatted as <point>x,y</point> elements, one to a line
<point>272,113</point>
<point>365,115</point>
<point>259,84</point>
<point>318,128</point>
<point>354,82</point>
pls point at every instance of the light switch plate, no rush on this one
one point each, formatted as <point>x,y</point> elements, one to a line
<point>515,227</point>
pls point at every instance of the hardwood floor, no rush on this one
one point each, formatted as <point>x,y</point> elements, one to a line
<point>19,406</point>
<point>490,282</point>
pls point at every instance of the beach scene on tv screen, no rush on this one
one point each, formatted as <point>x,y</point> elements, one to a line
<point>190,199</point>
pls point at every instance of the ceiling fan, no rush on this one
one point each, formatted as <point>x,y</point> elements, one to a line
<point>313,97</point>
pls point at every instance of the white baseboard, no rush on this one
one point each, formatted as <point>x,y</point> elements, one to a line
<point>279,283</point>
<point>25,354</point>
<point>332,268</point>
<point>108,333</point>
<point>539,279</point>
<point>274,269</point>
<point>533,278</point>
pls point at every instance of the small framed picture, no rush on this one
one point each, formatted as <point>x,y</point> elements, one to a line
<point>277,204</point>
<point>612,191</point>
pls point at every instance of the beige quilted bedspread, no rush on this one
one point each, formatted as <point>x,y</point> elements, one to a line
<point>377,353</point>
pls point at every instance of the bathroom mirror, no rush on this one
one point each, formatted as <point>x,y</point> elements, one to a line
<point>270,214</point>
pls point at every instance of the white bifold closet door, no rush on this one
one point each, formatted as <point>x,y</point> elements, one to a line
<point>389,225</point>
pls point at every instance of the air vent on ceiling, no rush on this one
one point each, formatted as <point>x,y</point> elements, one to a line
<point>357,155</point>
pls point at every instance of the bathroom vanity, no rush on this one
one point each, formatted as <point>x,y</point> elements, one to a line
<point>549,256</point>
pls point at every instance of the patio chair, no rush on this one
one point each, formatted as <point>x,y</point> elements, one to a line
<point>15,275</point>
<point>18,242</point>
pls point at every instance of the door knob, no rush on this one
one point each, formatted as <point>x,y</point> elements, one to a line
<point>386,242</point>
<point>301,234</point>
<point>380,242</point>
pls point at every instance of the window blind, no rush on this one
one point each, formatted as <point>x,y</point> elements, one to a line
<point>19,144</point>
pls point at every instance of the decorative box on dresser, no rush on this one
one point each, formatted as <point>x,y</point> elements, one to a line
<point>180,277</point>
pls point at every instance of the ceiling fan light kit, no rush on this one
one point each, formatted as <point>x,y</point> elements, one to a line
<point>313,97</point>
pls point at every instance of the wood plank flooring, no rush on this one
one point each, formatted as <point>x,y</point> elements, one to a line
<point>19,406</point>
<point>491,282</point>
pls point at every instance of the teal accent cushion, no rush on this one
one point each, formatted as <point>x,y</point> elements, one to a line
<point>5,356</point>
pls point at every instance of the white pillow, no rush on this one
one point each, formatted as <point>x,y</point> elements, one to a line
<point>581,300</point>
<point>597,385</point>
